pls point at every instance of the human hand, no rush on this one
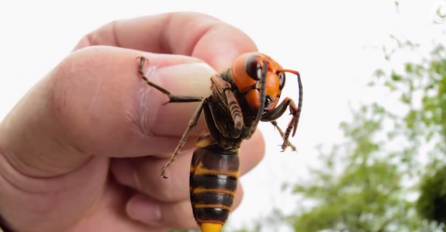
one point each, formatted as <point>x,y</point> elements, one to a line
<point>83,149</point>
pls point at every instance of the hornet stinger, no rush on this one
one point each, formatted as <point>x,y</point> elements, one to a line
<point>242,95</point>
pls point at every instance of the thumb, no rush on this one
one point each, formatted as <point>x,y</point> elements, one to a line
<point>95,103</point>
<point>55,143</point>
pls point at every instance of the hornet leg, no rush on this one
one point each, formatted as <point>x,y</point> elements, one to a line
<point>293,148</point>
<point>192,123</point>
<point>277,113</point>
<point>172,98</point>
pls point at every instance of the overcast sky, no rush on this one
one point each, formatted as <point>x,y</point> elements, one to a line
<point>334,45</point>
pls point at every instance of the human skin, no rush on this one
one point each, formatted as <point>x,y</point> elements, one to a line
<point>83,149</point>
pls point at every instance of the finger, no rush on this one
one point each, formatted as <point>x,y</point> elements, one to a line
<point>95,102</point>
<point>107,214</point>
<point>92,103</point>
<point>201,36</point>
<point>143,174</point>
<point>172,215</point>
<point>32,204</point>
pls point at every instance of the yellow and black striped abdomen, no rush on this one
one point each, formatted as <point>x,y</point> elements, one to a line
<point>213,182</point>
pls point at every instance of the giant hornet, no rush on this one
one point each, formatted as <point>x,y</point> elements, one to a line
<point>242,95</point>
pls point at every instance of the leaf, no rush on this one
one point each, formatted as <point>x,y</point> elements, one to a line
<point>396,77</point>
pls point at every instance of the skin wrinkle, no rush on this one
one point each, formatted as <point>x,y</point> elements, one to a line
<point>14,184</point>
<point>211,27</point>
<point>146,125</point>
<point>143,108</point>
<point>50,164</point>
<point>9,176</point>
<point>135,119</point>
<point>93,40</point>
<point>59,141</point>
<point>141,124</point>
<point>59,99</point>
<point>41,160</point>
<point>135,126</point>
<point>77,149</point>
<point>72,148</point>
<point>117,95</point>
<point>198,37</point>
<point>114,32</point>
<point>65,81</point>
<point>4,171</point>
<point>16,161</point>
<point>162,42</point>
<point>44,197</point>
<point>12,163</point>
<point>95,96</point>
<point>56,143</point>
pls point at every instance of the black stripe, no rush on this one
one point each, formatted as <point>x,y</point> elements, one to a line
<point>211,181</point>
<point>214,214</point>
<point>212,198</point>
<point>218,161</point>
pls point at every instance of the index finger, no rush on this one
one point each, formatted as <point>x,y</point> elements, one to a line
<point>184,33</point>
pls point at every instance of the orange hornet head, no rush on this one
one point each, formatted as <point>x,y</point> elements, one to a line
<point>247,72</point>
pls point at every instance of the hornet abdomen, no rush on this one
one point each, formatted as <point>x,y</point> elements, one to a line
<point>213,181</point>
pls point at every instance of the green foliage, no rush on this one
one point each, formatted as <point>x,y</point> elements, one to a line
<point>367,194</point>
<point>432,203</point>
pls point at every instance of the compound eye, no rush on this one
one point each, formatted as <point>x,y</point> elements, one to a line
<point>281,80</point>
<point>253,68</point>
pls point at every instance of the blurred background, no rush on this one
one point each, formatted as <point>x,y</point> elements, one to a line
<point>371,138</point>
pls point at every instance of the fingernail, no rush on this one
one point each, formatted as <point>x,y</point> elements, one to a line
<point>187,78</point>
<point>143,209</point>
